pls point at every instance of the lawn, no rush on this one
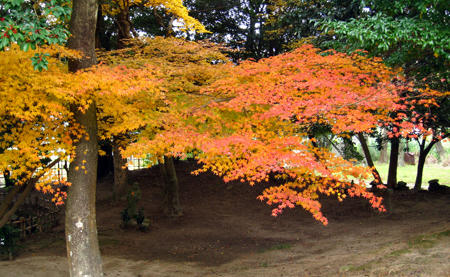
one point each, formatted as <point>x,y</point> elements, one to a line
<point>408,173</point>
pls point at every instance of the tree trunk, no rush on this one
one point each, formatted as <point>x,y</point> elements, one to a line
<point>6,203</point>
<point>369,160</point>
<point>383,153</point>
<point>9,213</point>
<point>9,206</point>
<point>401,154</point>
<point>120,172</point>
<point>81,228</point>
<point>171,204</point>
<point>441,151</point>
<point>99,27</point>
<point>393,163</point>
<point>423,153</point>
<point>123,27</point>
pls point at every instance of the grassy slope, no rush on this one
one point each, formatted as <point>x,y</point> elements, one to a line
<point>407,173</point>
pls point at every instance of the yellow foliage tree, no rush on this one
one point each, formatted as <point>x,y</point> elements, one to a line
<point>120,9</point>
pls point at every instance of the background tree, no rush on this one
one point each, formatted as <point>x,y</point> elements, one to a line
<point>120,10</point>
<point>410,34</point>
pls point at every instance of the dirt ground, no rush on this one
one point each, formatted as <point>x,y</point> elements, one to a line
<point>226,231</point>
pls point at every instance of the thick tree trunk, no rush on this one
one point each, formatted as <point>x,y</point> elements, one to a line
<point>123,27</point>
<point>171,204</point>
<point>120,172</point>
<point>369,160</point>
<point>81,228</point>
<point>393,163</point>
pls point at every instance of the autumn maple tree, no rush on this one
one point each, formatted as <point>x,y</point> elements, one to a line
<point>67,124</point>
<point>183,68</point>
<point>260,120</point>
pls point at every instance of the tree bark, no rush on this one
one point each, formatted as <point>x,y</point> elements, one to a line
<point>383,153</point>
<point>171,204</point>
<point>441,151</point>
<point>423,153</point>
<point>401,154</point>
<point>369,160</point>
<point>120,172</point>
<point>7,215</point>
<point>123,27</point>
<point>6,203</point>
<point>81,228</point>
<point>393,163</point>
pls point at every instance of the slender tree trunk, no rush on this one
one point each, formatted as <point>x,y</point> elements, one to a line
<point>369,160</point>
<point>171,204</point>
<point>9,206</point>
<point>423,153</point>
<point>6,203</point>
<point>393,163</point>
<point>441,151</point>
<point>120,172</point>
<point>81,228</point>
<point>100,28</point>
<point>19,201</point>
<point>401,154</point>
<point>383,153</point>
<point>106,161</point>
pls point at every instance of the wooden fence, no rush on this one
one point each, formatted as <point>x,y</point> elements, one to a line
<point>32,224</point>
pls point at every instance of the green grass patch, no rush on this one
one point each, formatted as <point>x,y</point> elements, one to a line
<point>362,267</point>
<point>441,234</point>
<point>408,173</point>
<point>422,242</point>
<point>400,252</point>
<point>280,246</point>
<point>427,241</point>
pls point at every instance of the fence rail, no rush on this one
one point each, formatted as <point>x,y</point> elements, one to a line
<point>40,223</point>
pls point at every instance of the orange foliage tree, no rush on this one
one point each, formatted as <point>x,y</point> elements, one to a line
<point>183,68</point>
<point>260,125</point>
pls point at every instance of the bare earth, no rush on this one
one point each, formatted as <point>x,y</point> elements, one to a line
<point>225,231</point>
